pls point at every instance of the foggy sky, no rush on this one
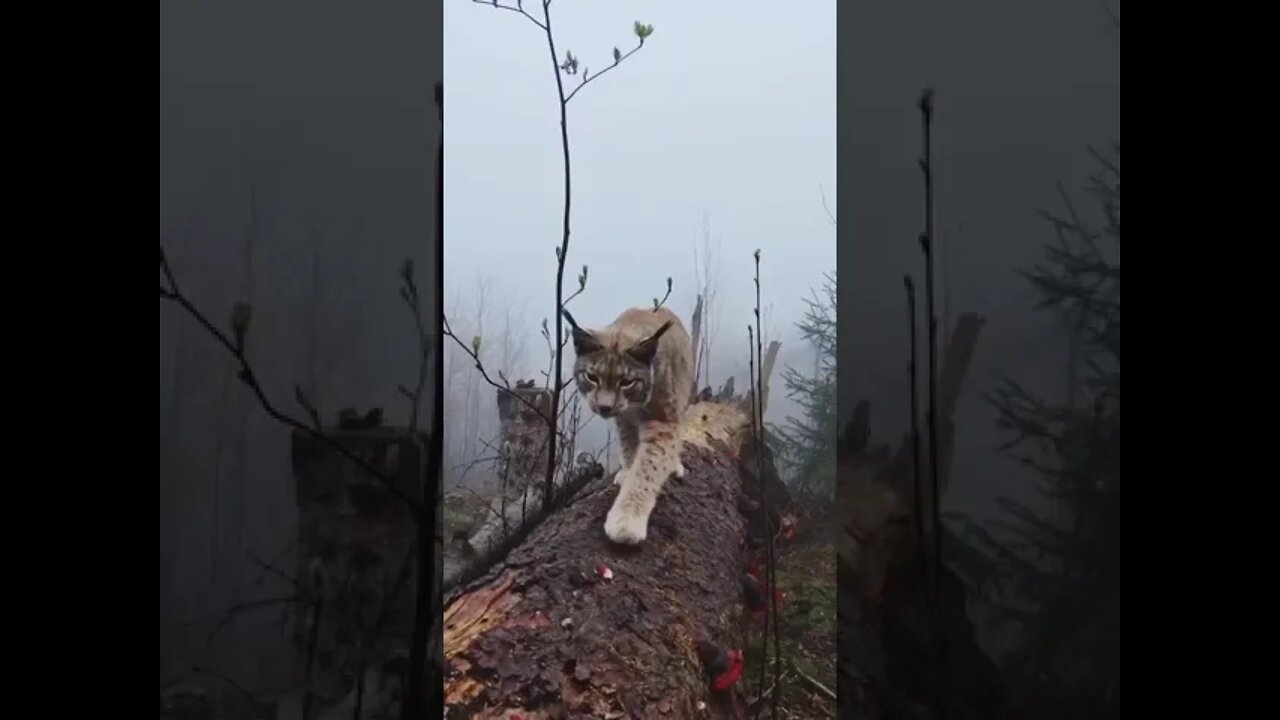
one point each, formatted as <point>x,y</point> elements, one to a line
<point>727,114</point>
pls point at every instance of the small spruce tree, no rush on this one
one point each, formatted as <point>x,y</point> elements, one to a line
<point>806,445</point>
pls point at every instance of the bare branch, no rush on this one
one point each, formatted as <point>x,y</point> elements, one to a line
<point>825,208</point>
<point>448,332</point>
<point>409,293</point>
<point>488,506</point>
<point>309,406</point>
<point>174,294</point>
<point>659,303</point>
<point>518,8</point>
<point>270,568</point>
<point>472,463</point>
<point>228,615</point>
<point>617,60</point>
<point>810,681</point>
<point>756,365</point>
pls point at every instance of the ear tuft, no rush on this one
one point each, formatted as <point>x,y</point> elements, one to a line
<point>584,343</point>
<point>645,350</point>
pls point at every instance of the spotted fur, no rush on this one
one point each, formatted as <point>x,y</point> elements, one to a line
<point>639,372</point>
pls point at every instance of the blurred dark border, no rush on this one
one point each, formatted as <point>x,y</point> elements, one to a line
<point>312,64</point>
<point>1022,93</point>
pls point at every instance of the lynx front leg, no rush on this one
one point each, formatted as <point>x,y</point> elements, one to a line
<point>656,458</point>
<point>663,441</point>
<point>628,520</point>
<point>629,437</point>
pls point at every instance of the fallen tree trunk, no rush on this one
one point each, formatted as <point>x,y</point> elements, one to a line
<point>782,509</point>
<point>569,625</point>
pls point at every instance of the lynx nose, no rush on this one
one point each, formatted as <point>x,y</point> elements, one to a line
<point>604,410</point>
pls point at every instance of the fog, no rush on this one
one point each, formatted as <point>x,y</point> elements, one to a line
<point>701,141</point>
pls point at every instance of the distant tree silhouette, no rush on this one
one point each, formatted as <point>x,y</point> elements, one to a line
<point>1056,574</point>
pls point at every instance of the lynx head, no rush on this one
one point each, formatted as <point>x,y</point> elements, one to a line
<point>614,373</point>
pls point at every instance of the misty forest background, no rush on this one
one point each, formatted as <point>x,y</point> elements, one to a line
<point>299,182</point>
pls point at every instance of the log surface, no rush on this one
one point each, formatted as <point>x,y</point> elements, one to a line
<point>545,635</point>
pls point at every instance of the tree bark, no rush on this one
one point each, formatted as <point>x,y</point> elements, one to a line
<point>570,626</point>
<point>781,507</point>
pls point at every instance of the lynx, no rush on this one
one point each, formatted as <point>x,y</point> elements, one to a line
<point>638,371</point>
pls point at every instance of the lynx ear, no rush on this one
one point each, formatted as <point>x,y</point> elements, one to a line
<point>644,350</point>
<point>584,342</point>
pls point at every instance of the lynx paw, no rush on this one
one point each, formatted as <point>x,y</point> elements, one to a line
<point>625,528</point>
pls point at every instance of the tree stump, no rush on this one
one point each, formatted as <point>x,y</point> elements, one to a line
<point>887,622</point>
<point>569,625</point>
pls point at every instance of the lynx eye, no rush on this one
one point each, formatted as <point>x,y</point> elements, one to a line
<point>630,382</point>
<point>592,378</point>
